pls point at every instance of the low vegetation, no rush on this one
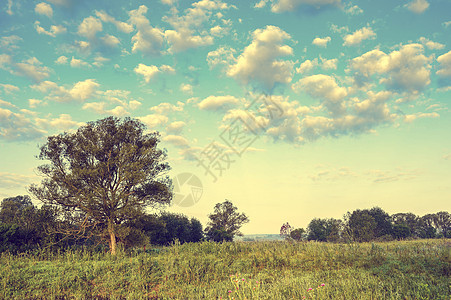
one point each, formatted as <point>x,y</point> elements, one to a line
<point>235,270</point>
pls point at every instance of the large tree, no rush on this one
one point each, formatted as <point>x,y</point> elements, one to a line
<point>225,222</point>
<point>105,173</point>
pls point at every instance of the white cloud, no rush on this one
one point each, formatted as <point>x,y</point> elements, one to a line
<point>259,61</point>
<point>33,69</point>
<point>100,108</point>
<point>44,9</point>
<point>221,56</point>
<point>165,108</point>
<point>353,9</point>
<point>110,40</point>
<point>406,70</point>
<point>153,120</point>
<point>122,26</point>
<point>324,87</point>
<point>412,117</point>
<point>9,88</point>
<point>430,44</point>
<point>188,30</point>
<point>175,127</point>
<point>149,72</point>
<point>81,91</point>
<point>214,103</point>
<point>176,140</point>
<point>33,103</point>
<point>358,36</point>
<point>148,39</point>
<point>290,5</point>
<point>186,88</point>
<point>78,63</point>
<point>307,66</point>
<point>417,6</point>
<point>8,43</point>
<point>445,65</point>
<point>321,42</point>
<point>63,123</point>
<point>329,64</point>
<point>17,127</point>
<point>261,4</point>
<point>89,27</point>
<point>62,60</point>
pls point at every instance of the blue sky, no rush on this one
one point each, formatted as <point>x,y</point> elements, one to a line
<point>338,104</point>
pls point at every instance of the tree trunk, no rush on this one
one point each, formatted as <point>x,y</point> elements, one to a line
<point>112,233</point>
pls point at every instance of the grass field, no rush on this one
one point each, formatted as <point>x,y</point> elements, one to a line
<point>255,270</point>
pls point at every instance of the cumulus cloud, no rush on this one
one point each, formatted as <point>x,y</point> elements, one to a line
<point>353,10</point>
<point>186,88</point>
<point>54,30</point>
<point>358,36</point>
<point>321,42</point>
<point>153,120</point>
<point>149,72</point>
<point>188,29</point>
<point>280,6</point>
<point>44,9</point>
<point>430,44</point>
<point>80,91</point>
<point>32,68</point>
<point>165,108</point>
<point>417,6</point>
<point>17,127</point>
<point>324,87</point>
<point>260,61</point>
<point>444,71</point>
<point>78,63</point>
<point>122,26</point>
<point>221,56</point>
<point>33,103</point>
<point>63,123</point>
<point>9,88</point>
<point>176,140</point>
<point>90,27</point>
<point>62,60</point>
<point>412,117</point>
<point>148,39</point>
<point>214,103</point>
<point>404,70</point>
<point>175,127</point>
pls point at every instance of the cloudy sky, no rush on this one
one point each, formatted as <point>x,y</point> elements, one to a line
<point>291,109</point>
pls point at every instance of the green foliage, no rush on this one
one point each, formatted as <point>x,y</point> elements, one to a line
<point>251,270</point>
<point>361,225</point>
<point>298,234</point>
<point>324,230</point>
<point>225,222</point>
<point>104,175</point>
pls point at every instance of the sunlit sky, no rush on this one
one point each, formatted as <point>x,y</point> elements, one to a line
<point>338,104</point>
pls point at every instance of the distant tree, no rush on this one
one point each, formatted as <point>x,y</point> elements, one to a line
<point>442,221</point>
<point>383,222</point>
<point>225,222</point>
<point>285,231</point>
<point>16,210</point>
<point>426,227</point>
<point>105,174</point>
<point>324,230</point>
<point>408,219</point>
<point>401,231</point>
<point>361,225</point>
<point>297,234</point>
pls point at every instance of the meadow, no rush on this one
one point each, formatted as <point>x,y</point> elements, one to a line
<point>417,269</point>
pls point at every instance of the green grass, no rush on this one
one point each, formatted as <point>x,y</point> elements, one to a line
<point>256,270</point>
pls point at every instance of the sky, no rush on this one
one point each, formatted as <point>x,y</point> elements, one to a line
<point>290,109</point>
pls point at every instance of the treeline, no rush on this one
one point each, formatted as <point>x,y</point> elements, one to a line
<point>364,225</point>
<point>25,227</point>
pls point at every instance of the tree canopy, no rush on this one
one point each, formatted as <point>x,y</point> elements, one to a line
<point>225,222</point>
<point>104,174</point>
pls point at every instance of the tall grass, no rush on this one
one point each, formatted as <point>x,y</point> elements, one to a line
<point>241,270</point>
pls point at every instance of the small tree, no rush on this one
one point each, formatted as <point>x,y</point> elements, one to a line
<point>104,174</point>
<point>285,231</point>
<point>225,222</point>
<point>297,234</point>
